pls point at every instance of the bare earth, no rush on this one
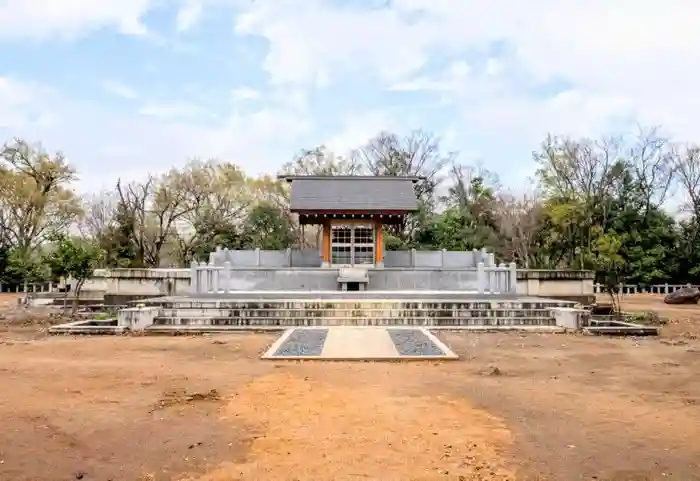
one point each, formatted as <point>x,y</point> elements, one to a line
<point>514,407</point>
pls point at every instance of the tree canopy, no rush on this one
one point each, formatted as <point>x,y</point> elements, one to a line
<point>598,204</point>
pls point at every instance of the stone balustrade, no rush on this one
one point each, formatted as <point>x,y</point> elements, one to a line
<point>209,278</point>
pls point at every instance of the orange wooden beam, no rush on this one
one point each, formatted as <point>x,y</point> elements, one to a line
<point>379,242</point>
<point>326,242</point>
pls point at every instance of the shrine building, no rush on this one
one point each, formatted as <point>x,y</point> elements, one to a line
<point>352,211</point>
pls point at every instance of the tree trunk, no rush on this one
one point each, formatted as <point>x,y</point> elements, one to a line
<point>78,287</point>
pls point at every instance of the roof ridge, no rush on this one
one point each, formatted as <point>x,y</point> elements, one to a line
<point>290,178</point>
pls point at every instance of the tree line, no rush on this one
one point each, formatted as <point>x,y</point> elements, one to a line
<point>598,204</point>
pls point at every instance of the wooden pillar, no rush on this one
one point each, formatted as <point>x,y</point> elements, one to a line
<point>326,242</point>
<point>379,242</point>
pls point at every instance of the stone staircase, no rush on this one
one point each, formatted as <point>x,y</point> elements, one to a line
<point>211,315</point>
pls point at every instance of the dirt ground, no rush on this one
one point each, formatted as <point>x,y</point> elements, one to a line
<point>514,407</point>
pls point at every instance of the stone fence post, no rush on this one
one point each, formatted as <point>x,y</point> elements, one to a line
<point>480,278</point>
<point>194,278</point>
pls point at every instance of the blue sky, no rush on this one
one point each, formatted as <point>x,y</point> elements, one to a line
<point>126,87</point>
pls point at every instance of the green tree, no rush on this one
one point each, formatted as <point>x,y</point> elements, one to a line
<point>266,227</point>
<point>609,265</point>
<point>72,258</point>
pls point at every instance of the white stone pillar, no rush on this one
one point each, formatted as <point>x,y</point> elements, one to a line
<point>226,277</point>
<point>502,278</point>
<point>257,256</point>
<point>513,277</point>
<point>204,287</point>
<point>215,271</point>
<point>480,278</point>
<point>194,278</point>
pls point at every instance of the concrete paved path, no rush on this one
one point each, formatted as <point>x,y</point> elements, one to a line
<point>367,343</point>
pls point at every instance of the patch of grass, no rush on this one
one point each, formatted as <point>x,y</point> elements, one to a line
<point>647,318</point>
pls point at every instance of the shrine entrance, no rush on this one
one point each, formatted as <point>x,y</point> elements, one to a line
<point>352,244</point>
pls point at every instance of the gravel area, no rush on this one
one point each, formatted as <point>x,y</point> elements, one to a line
<point>303,342</point>
<point>413,342</point>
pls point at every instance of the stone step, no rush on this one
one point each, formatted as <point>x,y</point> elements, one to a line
<point>352,312</point>
<point>210,329</point>
<point>333,304</point>
<point>351,321</point>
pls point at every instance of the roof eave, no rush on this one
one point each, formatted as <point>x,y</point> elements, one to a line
<point>290,178</point>
<point>294,210</point>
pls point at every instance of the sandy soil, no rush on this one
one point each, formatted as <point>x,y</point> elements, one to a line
<point>514,407</point>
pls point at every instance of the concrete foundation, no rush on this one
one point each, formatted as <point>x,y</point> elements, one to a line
<point>137,319</point>
<point>569,318</point>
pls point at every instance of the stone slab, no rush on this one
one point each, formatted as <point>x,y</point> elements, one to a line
<point>352,295</point>
<point>350,343</point>
<point>359,343</point>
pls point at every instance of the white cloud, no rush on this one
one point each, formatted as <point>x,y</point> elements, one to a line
<point>242,94</point>
<point>120,89</point>
<point>358,128</point>
<point>311,42</point>
<point>645,54</point>
<point>614,60</point>
<point>188,15</point>
<point>106,144</point>
<point>43,19</point>
<point>24,104</point>
<point>172,111</point>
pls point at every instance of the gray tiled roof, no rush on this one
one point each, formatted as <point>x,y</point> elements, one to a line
<point>353,193</point>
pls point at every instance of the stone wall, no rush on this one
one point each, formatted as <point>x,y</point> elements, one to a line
<point>312,258</point>
<point>129,284</point>
<point>267,258</point>
<point>557,284</point>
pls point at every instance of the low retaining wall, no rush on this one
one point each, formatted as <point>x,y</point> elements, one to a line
<point>118,286</point>
<point>220,279</point>
<point>566,285</point>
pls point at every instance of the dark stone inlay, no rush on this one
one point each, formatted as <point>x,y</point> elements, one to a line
<point>413,342</point>
<point>303,342</point>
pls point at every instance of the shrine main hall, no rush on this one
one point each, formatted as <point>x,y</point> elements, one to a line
<point>353,212</point>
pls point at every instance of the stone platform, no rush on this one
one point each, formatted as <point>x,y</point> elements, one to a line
<point>358,344</point>
<point>285,309</point>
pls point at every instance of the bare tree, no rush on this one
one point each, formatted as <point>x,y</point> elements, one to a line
<point>416,154</point>
<point>520,219</point>
<point>652,159</point>
<point>35,196</point>
<point>686,162</point>
<point>218,194</point>
<point>581,175</point>
<point>98,214</point>
<point>321,161</point>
